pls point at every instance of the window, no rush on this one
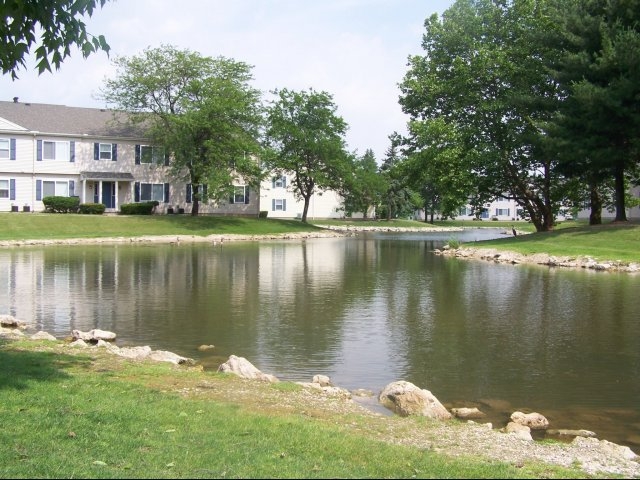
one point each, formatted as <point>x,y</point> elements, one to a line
<point>200,189</point>
<point>484,213</point>
<point>279,182</point>
<point>105,151</point>
<point>240,194</point>
<point>502,212</point>
<point>51,188</point>
<point>4,148</point>
<point>149,154</point>
<point>464,211</point>
<point>278,205</point>
<point>151,191</point>
<point>4,188</point>
<point>51,150</point>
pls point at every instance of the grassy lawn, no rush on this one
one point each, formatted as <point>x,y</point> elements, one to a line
<point>73,413</point>
<point>602,242</point>
<point>35,226</point>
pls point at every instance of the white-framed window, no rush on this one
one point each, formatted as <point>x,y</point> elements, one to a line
<point>55,188</point>
<point>502,212</point>
<point>4,188</point>
<point>279,205</point>
<point>105,151</point>
<point>55,150</point>
<point>5,148</point>
<point>150,154</point>
<point>240,194</point>
<point>151,191</point>
<point>279,182</point>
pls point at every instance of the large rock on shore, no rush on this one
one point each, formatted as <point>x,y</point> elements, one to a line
<point>405,399</point>
<point>242,367</point>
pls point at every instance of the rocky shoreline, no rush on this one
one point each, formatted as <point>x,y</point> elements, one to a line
<point>513,443</point>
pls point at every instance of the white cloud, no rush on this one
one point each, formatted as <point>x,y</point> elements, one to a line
<point>355,50</point>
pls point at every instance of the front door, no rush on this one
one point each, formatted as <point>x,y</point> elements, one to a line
<point>109,194</point>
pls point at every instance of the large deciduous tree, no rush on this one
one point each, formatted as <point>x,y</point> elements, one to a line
<point>305,136</point>
<point>364,189</point>
<point>201,109</point>
<point>482,75</point>
<point>59,24</point>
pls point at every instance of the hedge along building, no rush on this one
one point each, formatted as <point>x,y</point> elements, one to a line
<point>87,153</point>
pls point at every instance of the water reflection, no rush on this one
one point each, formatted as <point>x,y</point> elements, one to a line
<point>366,311</point>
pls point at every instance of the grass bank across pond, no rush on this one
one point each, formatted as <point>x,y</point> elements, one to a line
<point>78,413</point>
<point>609,241</point>
<point>37,226</point>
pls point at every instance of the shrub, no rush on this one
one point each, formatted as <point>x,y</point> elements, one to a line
<point>56,204</point>
<point>263,214</point>
<point>92,208</point>
<point>142,208</point>
<point>453,243</point>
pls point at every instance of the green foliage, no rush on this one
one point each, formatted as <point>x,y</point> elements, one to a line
<point>201,109</point>
<point>453,242</point>
<point>56,204</point>
<point>91,208</point>
<point>305,136</point>
<point>60,26</point>
<point>141,208</point>
<point>365,188</point>
<point>263,214</point>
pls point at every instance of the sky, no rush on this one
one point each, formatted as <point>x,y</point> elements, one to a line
<point>355,50</point>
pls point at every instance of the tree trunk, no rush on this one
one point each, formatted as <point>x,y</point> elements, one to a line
<point>595,217</point>
<point>305,210</point>
<point>621,215</point>
<point>196,207</point>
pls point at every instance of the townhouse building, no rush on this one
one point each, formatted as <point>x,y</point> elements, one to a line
<point>91,154</point>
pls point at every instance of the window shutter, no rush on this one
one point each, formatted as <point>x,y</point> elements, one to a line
<point>12,149</point>
<point>12,189</point>
<point>273,182</point>
<point>246,196</point>
<point>166,193</point>
<point>137,154</point>
<point>204,191</point>
<point>166,159</point>
<point>188,193</point>
<point>284,204</point>
<point>72,188</point>
<point>284,181</point>
<point>96,151</point>
<point>136,192</point>
<point>273,204</point>
<point>114,152</point>
<point>38,190</point>
<point>39,151</point>
<point>72,151</point>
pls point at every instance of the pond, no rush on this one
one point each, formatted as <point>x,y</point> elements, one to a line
<point>365,310</point>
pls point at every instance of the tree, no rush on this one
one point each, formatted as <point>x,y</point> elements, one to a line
<point>305,136</point>
<point>201,109</point>
<point>61,26</point>
<point>597,65</point>
<point>398,200</point>
<point>435,169</point>
<point>482,74</point>
<point>365,188</point>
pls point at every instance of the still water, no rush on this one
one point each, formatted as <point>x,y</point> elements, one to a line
<point>365,310</point>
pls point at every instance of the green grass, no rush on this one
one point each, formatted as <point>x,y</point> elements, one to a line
<point>36,226</point>
<point>71,414</point>
<point>602,242</point>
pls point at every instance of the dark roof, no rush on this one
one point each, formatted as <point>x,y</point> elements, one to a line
<point>73,121</point>
<point>126,176</point>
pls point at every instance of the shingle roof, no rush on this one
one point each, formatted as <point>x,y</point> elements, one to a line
<point>73,121</point>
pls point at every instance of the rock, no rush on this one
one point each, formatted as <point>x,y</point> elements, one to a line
<point>323,380</point>
<point>242,367</point>
<point>9,321</point>
<point>562,432</point>
<point>164,356</point>
<point>610,449</point>
<point>521,431</point>
<point>93,335</point>
<point>11,333</point>
<point>43,336</point>
<point>204,348</point>
<point>405,399</point>
<point>534,421</point>
<point>467,413</point>
<point>135,353</point>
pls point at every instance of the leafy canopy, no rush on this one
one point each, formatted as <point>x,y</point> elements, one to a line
<point>59,25</point>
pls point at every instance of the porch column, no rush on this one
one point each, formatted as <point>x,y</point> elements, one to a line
<point>99,191</point>
<point>115,203</point>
